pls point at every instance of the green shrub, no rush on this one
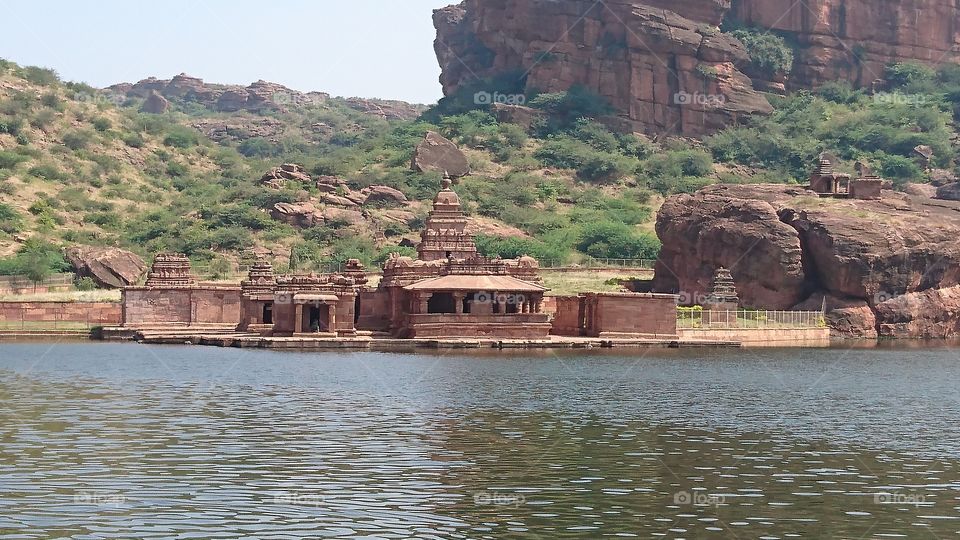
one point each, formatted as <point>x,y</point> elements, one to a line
<point>133,140</point>
<point>769,53</point>
<point>258,147</point>
<point>10,220</point>
<point>9,160</point>
<point>181,137</point>
<point>43,119</point>
<point>910,76</point>
<point>614,240</point>
<point>514,247</point>
<point>47,171</point>
<point>40,76</point>
<point>11,125</point>
<point>85,284</point>
<point>78,139</point>
<point>102,124</point>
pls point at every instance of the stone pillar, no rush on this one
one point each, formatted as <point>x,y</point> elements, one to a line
<point>331,317</point>
<point>298,319</point>
<point>424,300</point>
<point>458,302</point>
<point>538,304</point>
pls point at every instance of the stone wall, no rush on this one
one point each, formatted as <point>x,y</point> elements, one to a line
<point>568,316</point>
<point>762,337</point>
<point>630,314</point>
<point>181,306</point>
<point>374,311</point>
<point>93,313</point>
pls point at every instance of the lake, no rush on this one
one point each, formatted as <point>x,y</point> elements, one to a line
<point>133,441</point>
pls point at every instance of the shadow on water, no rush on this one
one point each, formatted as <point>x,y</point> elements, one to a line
<point>102,440</point>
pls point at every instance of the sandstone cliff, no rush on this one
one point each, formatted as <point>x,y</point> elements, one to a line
<point>664,64</point>
<point>889,267</point>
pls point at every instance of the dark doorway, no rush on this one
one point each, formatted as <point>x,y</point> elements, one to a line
<point>316,318</point>
<point>268,313</point>
<point>356,310</point>
<point>468,302</point>
<point>442,303</point>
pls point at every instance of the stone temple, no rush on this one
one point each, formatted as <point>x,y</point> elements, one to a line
<point>447,291</point>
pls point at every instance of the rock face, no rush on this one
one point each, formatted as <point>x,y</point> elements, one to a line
<point>436,153</point>
<point>854,40</point>
<point>664,64</point>
<point>278,177</point>
<point>108,267</point>
<point>787,248</point>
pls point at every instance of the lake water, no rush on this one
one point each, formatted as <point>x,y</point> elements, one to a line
<point>134,441</point>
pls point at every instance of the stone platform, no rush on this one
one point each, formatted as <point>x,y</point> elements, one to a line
<point>304,343</point>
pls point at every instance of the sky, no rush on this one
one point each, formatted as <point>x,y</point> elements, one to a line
<point>365,48</point>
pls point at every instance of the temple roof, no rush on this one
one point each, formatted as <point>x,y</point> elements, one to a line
<point>475,283</point>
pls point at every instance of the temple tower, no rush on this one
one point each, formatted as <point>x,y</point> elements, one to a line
<point>171,270</point>
<point>723,302</point>
<point>445,233</point>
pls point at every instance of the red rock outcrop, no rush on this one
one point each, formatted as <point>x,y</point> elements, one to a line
<point>788,248</point>
<point>664,64</point>
<point>108,267</point>
<point>854,40</point>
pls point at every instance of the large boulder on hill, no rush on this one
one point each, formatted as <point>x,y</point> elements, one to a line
<point>155,103</point>
<point>784,245</point>
<point>384,196</point>
<point>277,177</point>
<point>301,214</point>
<point>928,191</point>
<point>109,267</point>
<point>436,153</point>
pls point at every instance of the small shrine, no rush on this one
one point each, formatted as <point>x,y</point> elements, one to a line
<point>721,305</point>
<point>257,297</point>
<point>826,182</point>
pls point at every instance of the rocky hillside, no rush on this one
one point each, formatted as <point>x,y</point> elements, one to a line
<point>687,67</point>
<point>888,267</point>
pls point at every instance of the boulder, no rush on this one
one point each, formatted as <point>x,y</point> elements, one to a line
<point>301,215</point>
<point>155,103</point>
<point>384,196</point>
<point>108,266</point>
<point>851,318</point>
<point>710,229</point>
<point>330,198</point>
<point>925,191</point>
<point>933,313</point>
<point>342,216</point>
<point>524,117</point>
<point>436,153</point>
<point>949,192</point>
<point>278,176</point>
<point>942,177</point>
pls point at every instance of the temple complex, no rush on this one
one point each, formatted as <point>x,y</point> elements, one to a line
<point>826,182</point>
<point>448,292</point>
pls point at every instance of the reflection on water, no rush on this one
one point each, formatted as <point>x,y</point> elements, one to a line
<point>121,441</point>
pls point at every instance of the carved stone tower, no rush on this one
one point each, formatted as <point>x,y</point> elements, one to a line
<point>445,233</point>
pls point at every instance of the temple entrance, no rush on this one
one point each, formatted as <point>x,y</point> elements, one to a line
<point>316,318</point>
<point>267,315</point>
<point>356,309</point>
<point>468,302</point>
<point>442,303</point>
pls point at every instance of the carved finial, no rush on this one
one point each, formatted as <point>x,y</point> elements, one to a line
<point>446,182</point>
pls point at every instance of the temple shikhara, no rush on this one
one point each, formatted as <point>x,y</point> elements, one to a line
<point>447,291</point>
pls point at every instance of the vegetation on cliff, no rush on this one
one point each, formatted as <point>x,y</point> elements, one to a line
<point>78,166</point>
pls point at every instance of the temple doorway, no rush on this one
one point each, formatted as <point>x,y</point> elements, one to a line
<point>267,315</point>
<point>442,303</point>
<point>316,318</point>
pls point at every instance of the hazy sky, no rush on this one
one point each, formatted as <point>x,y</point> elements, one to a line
<point>366,48</point>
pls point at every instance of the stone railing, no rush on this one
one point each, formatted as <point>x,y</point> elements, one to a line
<point>452,318</point>
<point>746,319</point>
